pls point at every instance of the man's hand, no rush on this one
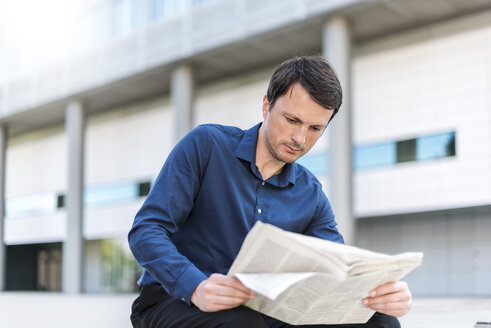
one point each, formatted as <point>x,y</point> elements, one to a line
<point>220,292</point>
<point>392,298</point>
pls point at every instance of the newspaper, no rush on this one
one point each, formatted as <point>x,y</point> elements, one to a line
<point>304,280</point>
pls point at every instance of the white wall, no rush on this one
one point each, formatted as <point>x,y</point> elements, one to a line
<point>128,143</point>
<point>36,162</point>
<point>235,101</point>
<point>112,221</point>
<point>35,229</point>
<point>36,165</point>
<point>432,80</point>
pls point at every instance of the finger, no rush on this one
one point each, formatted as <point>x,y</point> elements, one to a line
<point>229,301</point>
<point>394,309</point>
<point>217,303</point>
<point>389,306</point>
<point>207,297</point>
<point>231,282</point>
<point>390,287</point>
<point>228,291</point>
<point>396,304</point>
<point>388,298</point>
<point>228,286</point>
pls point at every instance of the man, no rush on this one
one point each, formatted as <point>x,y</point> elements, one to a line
<point>216,183</point>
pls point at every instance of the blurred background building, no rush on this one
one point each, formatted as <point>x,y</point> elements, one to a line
<point>94,94</point>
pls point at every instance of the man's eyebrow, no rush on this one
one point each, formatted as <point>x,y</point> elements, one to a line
<point>293,116</point>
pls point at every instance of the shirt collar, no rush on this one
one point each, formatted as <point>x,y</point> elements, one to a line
<point>246,150</point>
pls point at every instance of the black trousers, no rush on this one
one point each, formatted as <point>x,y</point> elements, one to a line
<point>154,308</point>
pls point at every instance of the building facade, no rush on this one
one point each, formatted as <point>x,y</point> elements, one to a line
<point>406,165</point>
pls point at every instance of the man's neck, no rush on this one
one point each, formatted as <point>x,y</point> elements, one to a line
<point>267,164</point>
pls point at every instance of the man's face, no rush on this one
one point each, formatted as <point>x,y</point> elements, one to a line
<point>294,124</point>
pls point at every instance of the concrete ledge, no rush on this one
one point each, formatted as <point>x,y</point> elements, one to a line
<point>27,310</point>
<point>41,310</point>
<point>447,312</point>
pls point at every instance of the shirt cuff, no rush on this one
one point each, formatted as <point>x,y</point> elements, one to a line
<point>187,283</point>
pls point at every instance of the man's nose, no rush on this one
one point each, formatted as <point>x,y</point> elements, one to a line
<point>300,135</point>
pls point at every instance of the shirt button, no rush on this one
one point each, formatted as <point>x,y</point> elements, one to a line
<point>182,299</point>
<point>259,210</point>
<point>262,183</point>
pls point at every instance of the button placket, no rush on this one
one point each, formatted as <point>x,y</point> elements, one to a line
<point>259,201</point>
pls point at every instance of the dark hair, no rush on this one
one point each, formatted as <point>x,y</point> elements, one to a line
<point>315,74</point>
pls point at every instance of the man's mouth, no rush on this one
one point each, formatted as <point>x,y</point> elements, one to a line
<point>291,149</point>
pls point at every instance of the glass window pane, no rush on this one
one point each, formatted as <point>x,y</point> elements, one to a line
<point>374,155</point>
<point>60,201</point>
<point>137,16</point>
<point>315,162</point>
<point>120,271</point>
<point>155,9</point>
<point>436,146</point>
<point>110,194</point>
<point>116,18</point>
<point>31,204</point>
<point>406,150</point>
<point>196,3</point>
<point>144,188</point>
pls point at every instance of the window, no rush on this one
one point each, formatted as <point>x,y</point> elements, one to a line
<point>50,202</point>
<point>144,188</point>
<point>423,148</point>
<point>406,150</point>
<point>137,14</point>
<point>316,162</point>
<point>33,267</point>
<point>120,271</point>
<point>155,9</point>
<point>60,201</point>
<point>37,204</point>
<point>374,155</point>
<point>162,9</point>
<point>197,3</point>
<point>116,18</point>
<point>436,146</point>
<point>110,266</point>
<point>115,193</point>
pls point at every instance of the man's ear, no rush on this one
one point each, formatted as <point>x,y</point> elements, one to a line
<point>265,106</point>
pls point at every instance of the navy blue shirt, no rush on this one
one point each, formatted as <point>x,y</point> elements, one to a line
<point>205,200</point>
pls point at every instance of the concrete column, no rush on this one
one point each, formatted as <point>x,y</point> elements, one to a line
<point>336,48</point>
<point>182,97</point>
<point>3,151</point>
<point>73,244</point>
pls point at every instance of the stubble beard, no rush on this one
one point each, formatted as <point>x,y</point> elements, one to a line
<point>275,154</point>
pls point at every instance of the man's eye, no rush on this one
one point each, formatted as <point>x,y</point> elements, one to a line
<point>290,120</point>
<point>316,129</point>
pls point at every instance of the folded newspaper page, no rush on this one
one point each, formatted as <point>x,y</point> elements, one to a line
<point>304,280</point>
